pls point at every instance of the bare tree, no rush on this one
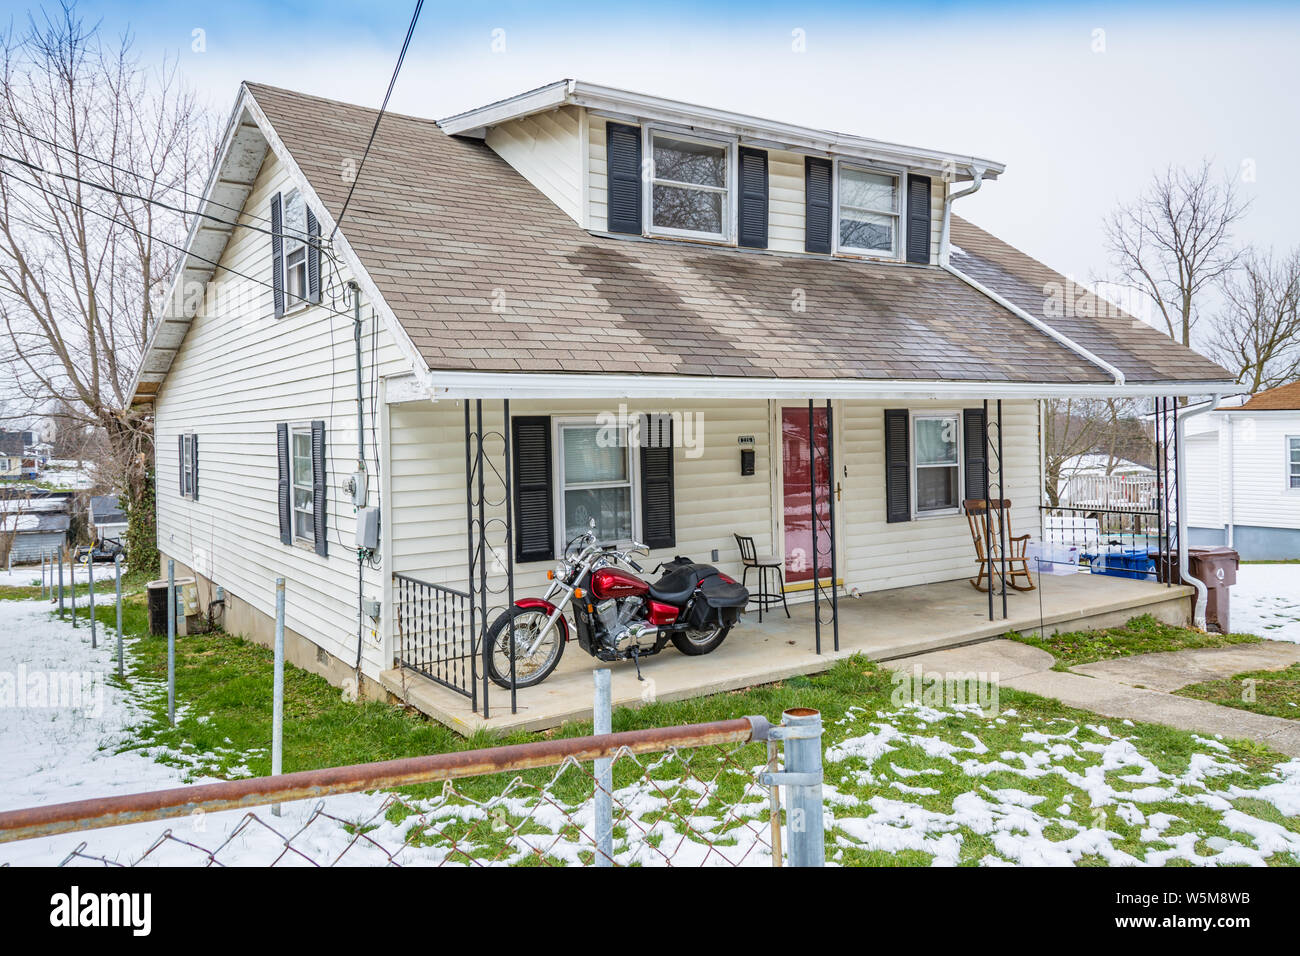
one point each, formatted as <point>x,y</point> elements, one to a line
<point>1175,241</point>
<point>1257,335</point>
<point>81,267</point>
<point>1109,428</point>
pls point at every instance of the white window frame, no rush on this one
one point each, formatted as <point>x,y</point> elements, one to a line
<point>728,144</point>
<point>1290,465</point>
<point>900,234</point>
<point>557,467</point>
<point>303,428</point>
<point>289,246</point>
<point>187,465</point>
<point>914,464</point>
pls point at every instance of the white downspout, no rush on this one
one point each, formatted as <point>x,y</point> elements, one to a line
<point>977,175</point>
<point>1232,477</point>
<point>1180,474</point>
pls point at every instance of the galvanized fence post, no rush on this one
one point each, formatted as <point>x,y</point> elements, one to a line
<point>801,732</point>
<point>117,573</point>
<point>72,577</point>
<point>277,691</point>
<point>171,642</point>
<point>602,723</point>
<point>60,553</point>
<point>90,571</point>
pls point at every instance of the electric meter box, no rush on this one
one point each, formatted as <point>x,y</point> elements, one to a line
<point>368,528</point>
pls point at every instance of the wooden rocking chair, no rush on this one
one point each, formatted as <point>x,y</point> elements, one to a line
<point>985,532</point>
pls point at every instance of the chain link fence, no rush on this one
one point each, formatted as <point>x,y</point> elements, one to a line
<point>697,795</point>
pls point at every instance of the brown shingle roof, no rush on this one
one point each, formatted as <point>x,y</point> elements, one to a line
<point>1281,398</point>
<point>446,228</point>
<point>1141,352</point>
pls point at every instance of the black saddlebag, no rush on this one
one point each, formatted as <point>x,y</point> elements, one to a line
<point>716,602</point>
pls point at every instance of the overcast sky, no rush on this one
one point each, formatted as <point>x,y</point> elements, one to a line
<point>1083,102</point>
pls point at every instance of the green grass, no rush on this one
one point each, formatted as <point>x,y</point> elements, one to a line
<point>1274,693</point>
<point>224,727</point>
<point>1139,635</point>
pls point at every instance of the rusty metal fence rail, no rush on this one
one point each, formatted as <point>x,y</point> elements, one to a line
<point>693,795</point>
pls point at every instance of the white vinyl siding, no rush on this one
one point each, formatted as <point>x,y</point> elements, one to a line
<point>238,373</point>
<point>878,554</point>
<point>786,209</point>
<point>546,150</point>
<point>713,501</point>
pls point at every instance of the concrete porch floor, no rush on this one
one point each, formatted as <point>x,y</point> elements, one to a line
<point>882,625</point>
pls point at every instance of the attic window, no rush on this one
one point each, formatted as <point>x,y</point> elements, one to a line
<point>689,187</point>
<point>295,250</point>
<point>868,211</point>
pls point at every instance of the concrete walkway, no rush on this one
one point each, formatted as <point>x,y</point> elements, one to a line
<point>1107,688</point>
<point>1171,670</point>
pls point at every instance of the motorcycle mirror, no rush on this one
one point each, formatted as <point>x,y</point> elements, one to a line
<point>591,523</point>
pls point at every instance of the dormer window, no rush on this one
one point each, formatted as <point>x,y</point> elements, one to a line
<point>869,211</point>
<point>689,187</point>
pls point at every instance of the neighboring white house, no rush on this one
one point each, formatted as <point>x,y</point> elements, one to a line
<point>514,257</point>
<point>1244,475</point>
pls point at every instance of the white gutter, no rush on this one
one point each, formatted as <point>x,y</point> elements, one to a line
<point>1180,476</point>
<point>456,384</point>
<point>977,175</point>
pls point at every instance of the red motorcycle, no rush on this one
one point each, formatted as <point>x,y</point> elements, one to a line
<point>617,615</point>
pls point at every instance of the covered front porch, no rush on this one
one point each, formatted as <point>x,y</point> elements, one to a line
<point>881,625</point>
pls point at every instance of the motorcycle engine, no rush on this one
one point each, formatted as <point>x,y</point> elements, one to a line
<point>621,627</point>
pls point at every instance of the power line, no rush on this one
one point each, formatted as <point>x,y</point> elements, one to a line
<point>419,4</point>
<point>171,245</point>
<point>130,172</point>
<point>123,194</point>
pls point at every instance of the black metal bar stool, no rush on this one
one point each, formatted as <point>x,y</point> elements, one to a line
<point>764,565</point>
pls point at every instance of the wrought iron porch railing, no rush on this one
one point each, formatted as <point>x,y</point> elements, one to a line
<point>435,636</point>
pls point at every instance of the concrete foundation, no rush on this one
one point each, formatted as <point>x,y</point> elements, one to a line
<point>244,620</point>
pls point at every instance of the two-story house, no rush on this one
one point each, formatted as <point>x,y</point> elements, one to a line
<point>408,415</point>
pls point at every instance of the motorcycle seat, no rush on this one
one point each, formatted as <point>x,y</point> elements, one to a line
<point>677,586</point>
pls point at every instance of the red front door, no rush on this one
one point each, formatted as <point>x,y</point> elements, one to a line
<point>796,469</point>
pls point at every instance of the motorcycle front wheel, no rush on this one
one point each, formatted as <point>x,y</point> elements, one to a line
<point>530,669</point>
<point>700,642</point>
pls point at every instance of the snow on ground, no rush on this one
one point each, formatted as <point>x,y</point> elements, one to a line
<point>21,576</point>
<point>1266,601</point>
<point>950,784</point>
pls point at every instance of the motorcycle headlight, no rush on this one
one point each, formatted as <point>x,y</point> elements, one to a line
<point>561,571</point>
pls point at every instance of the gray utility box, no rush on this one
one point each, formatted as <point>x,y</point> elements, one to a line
<point>368,528</point>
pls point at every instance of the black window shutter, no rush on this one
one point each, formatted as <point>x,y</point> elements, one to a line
<point>282,457</point>
<point>817,204</point>
<point>313,257</point>
<point>623,172</point>
<point>534,508</point>
<point>180,449</point>
<point>319,501</point>
<point>752,215</point>
<point>277,255</point>
<point>658,522</point>
<point>898,478</point>
<point>975,452</point>
<point>918,219</point>
<point>194,467</point>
